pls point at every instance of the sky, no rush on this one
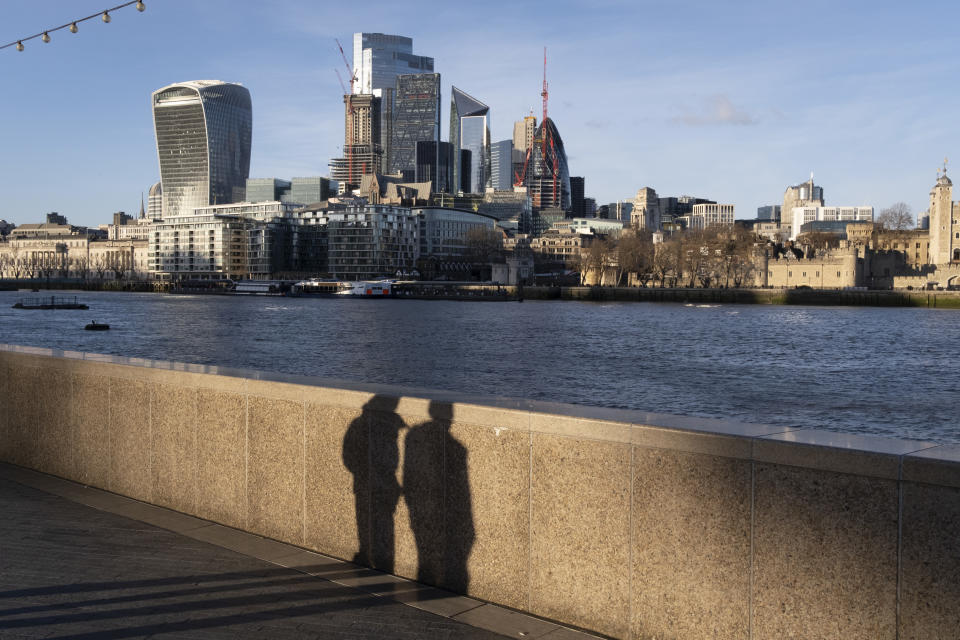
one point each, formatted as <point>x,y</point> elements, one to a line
<point>732,101</point>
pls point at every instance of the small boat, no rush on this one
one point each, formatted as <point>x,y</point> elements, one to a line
<point>367,288</point>
<point>97,326</point>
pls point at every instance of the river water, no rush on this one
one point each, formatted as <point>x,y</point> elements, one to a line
<point>886,371</point>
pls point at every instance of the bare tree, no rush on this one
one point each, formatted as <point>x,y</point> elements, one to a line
<point>80,266</point>
<point>634,254</point>
<point>896,217</point>
<point>483,244</point>
<point>100,265</point>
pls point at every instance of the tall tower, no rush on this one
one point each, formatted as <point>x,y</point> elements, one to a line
<point>470,131</point>
<point>378,59</point>
<point>941,220</point>
<point>203,130</point>
<point>416,118</point>
<point>361,141</point>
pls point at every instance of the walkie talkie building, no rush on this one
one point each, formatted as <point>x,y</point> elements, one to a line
<point>203,131</point>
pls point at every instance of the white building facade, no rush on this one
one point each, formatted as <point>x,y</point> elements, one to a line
<point>802,215</point>
<point>709,215</point>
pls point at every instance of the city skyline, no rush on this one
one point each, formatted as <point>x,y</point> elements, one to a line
<point>720,103</point>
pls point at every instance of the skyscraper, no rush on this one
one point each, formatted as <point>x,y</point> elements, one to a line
<point>470,130</point>
<point>578,207</point>
<point>548,176</point>
<point>435,164</point>
<point>501,165</point>
<point>361,141</point>
<point>416,118</point>
<point>378,58</point>
<point>203,130</point>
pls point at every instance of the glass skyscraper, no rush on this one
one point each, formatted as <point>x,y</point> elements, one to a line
<point>548,178</point>
<point>416,118</point>
<point>203,131</point>
<point>378,58</point>
<point>501,165</point>
<point>470,130</point>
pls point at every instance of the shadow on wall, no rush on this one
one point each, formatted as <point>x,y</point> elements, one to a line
<point>435,489</point>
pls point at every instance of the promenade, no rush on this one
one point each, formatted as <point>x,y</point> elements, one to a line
<point>90,564</point>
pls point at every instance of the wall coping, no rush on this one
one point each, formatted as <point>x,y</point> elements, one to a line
<point>860,454</point>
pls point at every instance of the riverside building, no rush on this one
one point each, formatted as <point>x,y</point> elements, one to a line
<point>203,130</point>
<point>371,241</point>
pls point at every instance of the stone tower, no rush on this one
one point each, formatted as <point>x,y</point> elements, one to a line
<point>941,220</point>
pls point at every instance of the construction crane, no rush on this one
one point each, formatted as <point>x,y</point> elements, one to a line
<point>545,140</point>
<point>546,133</point>
<point>351,111</point>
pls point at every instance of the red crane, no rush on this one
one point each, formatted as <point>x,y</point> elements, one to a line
<point>550,161</point>
<point>350,111</point>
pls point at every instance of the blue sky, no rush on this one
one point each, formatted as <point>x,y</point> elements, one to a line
<point>728,100</point>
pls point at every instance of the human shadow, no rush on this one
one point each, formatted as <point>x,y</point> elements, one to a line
<point>371,454</point>
<point>437,492</point>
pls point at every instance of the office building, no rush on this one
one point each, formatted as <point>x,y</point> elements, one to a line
<point>378,58</point>
<point>805,194</point>
<point>443,232</point>
<point>470,131</point>
<point>802,215</point>
<point>578,207</point>
<point>203,130</point>
<point>435,165</point>
<point>301,191</point>
<point>709,215</point>
<point>548,176</point>
<point>416,118</point>
<point>645,213</point>
<point>523,133</point>
<point>501,165</point>
<point>620,211</point>
<point>363,154</point>
<point>769,213</point>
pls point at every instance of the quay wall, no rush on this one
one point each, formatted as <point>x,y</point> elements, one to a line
<point>629,524</point>
<point>826,297</point>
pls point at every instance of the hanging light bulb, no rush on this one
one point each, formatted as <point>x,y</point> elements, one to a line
<point>19,46</point>
<point>73,27</point>
<point>45,37</point>
<point>141,6</point>
<point>106,16</point>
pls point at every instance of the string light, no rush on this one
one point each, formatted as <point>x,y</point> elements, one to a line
<point>72,25</point>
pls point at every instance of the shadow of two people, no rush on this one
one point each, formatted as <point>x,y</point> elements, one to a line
<point>435,487</point>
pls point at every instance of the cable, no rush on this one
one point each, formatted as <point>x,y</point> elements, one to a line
<point>72,25</point>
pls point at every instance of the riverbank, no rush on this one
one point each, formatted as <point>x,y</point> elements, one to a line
<point>495,292</point>
<point>814,297</point>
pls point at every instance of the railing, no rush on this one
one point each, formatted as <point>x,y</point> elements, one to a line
<point>630,524</point>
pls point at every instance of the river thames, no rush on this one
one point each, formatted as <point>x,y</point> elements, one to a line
<point>885,371</point>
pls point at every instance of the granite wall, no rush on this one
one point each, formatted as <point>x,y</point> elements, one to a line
<point>629,524</point>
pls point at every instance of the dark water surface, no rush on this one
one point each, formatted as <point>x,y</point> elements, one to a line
<point>892,372</point>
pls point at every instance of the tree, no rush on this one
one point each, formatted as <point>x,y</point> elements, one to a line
<point>635,253</point>
<point>483,244</point>
<point>896,217</point>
